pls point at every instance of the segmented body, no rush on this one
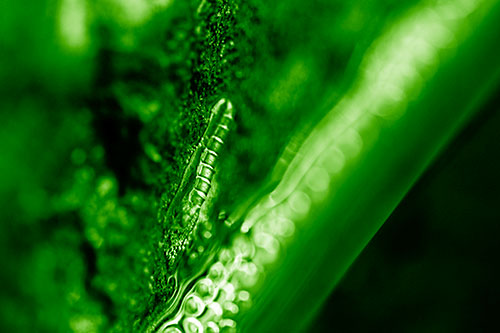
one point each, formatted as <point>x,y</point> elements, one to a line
<point>206,167</point>
<point>194,194</point>
<point>196,184</point>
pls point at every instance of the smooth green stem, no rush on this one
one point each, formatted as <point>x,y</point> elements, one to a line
<point>396,147</point>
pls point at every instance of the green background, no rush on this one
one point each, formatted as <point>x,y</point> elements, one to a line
<point>93,141</point>
<point>433,266</point>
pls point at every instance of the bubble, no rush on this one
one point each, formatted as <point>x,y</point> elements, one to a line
<point>247,274</point>
<point>243,296</point>
<point>212,327</point>
<point>227,293</point>
<point>216,272</point>
<point>269,244</point>
<point>333,160</point>
<point>243,246</point>
<point>192,325</point>
<point>226,256</point>
<point>228,326</point>
<point>391,101</point>
<point>284,227</point>
<point>317,179</point>
<point>276,225</point>
<point>194,305</point>
<point>230,309</point>
<point>300,203</point>
<point>214,311</point>
<point>265,223</point>
<point>205,288</point>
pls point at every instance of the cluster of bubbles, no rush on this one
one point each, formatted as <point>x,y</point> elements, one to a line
<point>217,297</point>
<point>214,301</point>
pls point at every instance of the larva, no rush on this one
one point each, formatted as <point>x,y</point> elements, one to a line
<point>210,152</point>
<point>194,192</point>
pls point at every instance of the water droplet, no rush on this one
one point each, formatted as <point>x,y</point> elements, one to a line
<point>266,242</point>
<point>228,326</point>
<point>194,305</point>
<point>214,311</point>
<point>192,325</point>
<point>212,327</point>
<point>205,288</point>
<point>227,293</point>
<point>299,203</point>
<point>243,246</point>
<point>247,274</point>
<point>243,296</point>
<point>230,309</point>
<point>284,227</point>
<point>317,179</point>
<point>333,160</point>
<point>216,272</point>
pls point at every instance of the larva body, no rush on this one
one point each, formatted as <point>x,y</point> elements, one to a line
<point>217,131</point>
<point>195,187</point>
<point>189,205</point>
